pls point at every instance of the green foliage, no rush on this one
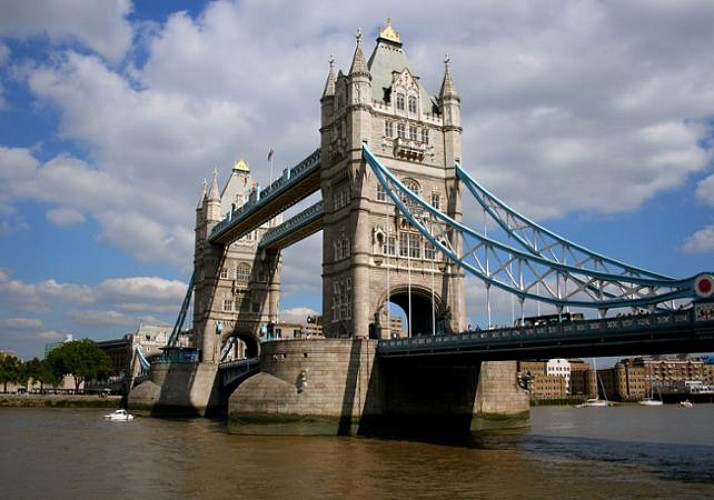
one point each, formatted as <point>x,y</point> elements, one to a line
<point>81,359</point>
<point>41,371</point>
<point>10,370</point>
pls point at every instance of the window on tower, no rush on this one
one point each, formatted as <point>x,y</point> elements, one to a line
<point>413,133</point>
<point>412,104</point>
<point>436,200</point>
<point>389,128</point>
<point>400,102</point>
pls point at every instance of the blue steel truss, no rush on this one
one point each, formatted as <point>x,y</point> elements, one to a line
<point>182,313</point>
<point>533,272</point>
<point>542,242</point>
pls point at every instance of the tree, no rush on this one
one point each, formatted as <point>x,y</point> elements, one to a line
<point>40,371</point>
<point>10,369</point>
<point>81,359</point>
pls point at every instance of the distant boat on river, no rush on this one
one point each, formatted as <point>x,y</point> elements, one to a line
<point>650,400</point>
<point>593,403</point>
<point>119,415</point>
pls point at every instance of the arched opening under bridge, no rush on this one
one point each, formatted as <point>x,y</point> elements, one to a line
<point>422,314</point>
<point>237,345</point>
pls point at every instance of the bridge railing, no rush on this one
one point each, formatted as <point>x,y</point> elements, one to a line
<point>606,325</point>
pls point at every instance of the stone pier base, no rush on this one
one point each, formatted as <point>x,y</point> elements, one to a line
<point>339,387</point>
<point>178,389</point>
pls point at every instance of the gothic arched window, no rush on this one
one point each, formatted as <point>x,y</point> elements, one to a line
<point>412,104</point>
<point>400,102</point>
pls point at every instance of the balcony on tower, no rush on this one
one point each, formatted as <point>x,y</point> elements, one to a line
<point>408,149</point>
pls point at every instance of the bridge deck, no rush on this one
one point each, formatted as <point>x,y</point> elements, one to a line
<point>296,184</point>
<point>661,333</point>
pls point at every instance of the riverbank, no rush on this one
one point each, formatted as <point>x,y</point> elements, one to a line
<point>58,401</point>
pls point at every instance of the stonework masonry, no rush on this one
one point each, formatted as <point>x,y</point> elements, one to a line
<point>372,257</point>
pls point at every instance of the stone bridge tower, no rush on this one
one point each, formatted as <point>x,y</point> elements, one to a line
<point>371,254</point>
<point>237,288</point>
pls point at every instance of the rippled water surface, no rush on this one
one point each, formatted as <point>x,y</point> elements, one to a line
<point>623,452</point>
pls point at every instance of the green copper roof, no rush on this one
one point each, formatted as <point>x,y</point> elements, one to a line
<point>387,58</point>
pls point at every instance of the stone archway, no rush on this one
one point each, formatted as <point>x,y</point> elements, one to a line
<point>426,310</point>
<point>250,347</point>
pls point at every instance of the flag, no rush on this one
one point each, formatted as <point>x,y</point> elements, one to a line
<point>270,154</point>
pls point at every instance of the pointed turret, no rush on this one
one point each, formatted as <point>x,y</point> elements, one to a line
<point>330,84</point>
<point>450,100</point>
<point>213,200</point>
<point>359,63</point>
<point>214,194</point>
<point>202,197</point>
<point>448,89</point>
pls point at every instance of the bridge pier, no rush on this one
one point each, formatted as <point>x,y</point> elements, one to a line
<point>340,387</point>
<point>178,389</point>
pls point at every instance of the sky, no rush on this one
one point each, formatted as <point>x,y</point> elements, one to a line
<point>593,117</point>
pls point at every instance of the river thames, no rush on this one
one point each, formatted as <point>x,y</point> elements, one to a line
<point>621,452</point>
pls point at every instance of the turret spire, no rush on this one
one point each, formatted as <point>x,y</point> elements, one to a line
<point>214,194</point>
<point>204,190</point>
<point>448,89</point>
<point>330,85</point>
<point>359,63</point>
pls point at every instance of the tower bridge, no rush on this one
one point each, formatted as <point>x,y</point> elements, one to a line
<point>391,182</point>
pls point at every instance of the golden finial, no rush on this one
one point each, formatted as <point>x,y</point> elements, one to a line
<point>388,33</point>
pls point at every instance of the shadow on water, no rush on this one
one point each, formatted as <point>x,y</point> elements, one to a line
<point>676,462</point>
<point>501,439</point>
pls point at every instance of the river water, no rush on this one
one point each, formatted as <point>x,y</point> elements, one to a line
<point>622,452</point>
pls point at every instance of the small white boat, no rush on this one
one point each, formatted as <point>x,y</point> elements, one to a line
<point>120,415</point>
<point>593,403</point>
<point>650,402</point>
<point>686,404</point>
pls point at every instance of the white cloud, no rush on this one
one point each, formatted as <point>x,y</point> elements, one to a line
<point>17,163</point>
<point>101,26</point>
<point>101,319</point>
<point>149,288</point>
<point>138,295</point>
<point>297,314</point>
<point>64,216</point>
<point>566,107</point>
<point>701,241</point>
<point>705,190</point>
<point>576,97</point>
<point>20,324</point>
<point>41,296</point>
<point>21,335</point>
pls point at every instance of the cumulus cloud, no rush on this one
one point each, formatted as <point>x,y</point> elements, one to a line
<point>101,26</point>
<point>705,191</point>
<point>701,241</point>
<point>16,163</point>
<point>297,314</point>
<point>65,216</point>
<point>20,335</point>
<point>582,94</point>
<point>41,296</point>
<point>567,107</point>
<point>102,318</point>
<point>137,295</point>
